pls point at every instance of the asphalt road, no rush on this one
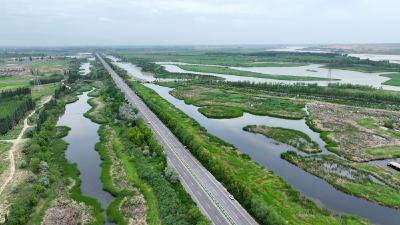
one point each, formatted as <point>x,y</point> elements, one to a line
<point>210,195</point>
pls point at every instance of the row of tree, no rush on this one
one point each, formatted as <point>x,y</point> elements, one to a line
<point>363,95</point>
<point>15,104</point>
<point>15,92</point>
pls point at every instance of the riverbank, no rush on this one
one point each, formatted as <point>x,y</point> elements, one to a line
<point>273,195</point>
<point>134,165</point>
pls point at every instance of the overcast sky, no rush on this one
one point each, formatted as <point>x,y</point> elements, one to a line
<point>209,22</point>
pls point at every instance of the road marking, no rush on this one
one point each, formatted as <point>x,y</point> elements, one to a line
<point>175,145</point>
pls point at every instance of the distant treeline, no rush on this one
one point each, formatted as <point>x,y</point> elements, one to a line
<point>49,79</point>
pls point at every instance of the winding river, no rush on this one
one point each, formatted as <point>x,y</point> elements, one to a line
<point>81,141</point>
<point>267,152</point>
<point>312,70</point>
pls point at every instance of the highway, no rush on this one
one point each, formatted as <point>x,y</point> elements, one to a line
<point>210,195</point>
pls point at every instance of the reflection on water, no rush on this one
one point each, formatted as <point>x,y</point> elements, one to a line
<point>81,141</point>
<point>267,152</point>
<point>313,70</point>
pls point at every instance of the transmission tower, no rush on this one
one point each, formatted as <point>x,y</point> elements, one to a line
<point>36,80</point>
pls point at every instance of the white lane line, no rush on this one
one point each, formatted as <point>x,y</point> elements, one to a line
<point>135,101</point>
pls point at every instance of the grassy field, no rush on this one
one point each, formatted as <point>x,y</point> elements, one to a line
<point>4,161</point>
<point>229,71</point>
<point>50,67</point>
<point>222,112</point>
<point>295,138</point>
<point>283,204</point>
<point>232,102</point>
<point>344,177</point>
<point>394,79</point>
<point>44,90</point>
<point>12,82</point>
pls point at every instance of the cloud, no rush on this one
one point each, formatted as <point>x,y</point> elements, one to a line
<point>197,21</point>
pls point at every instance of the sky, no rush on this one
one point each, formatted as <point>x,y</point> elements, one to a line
<point>197,22</point>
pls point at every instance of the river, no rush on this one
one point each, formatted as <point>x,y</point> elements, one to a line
<point>81,140</point>
<point>267,152</point>
<point>312,70</point>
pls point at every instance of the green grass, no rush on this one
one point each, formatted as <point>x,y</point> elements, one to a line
<point>9,106</point>
<point>4,147</point>
<point>394,79</point>
<point>261,184</point>
<point>50,67</point>
<point>384,152</point>
<point>295,138</point>
<point>44,90</point>
<point>152,204</point>
<point>359,184</point>
<point>228,102</point>
<point>13,133</point>
<point>229,71</point>
<point>13,82</point>
<point>220,111</point>
<point>273,64</point>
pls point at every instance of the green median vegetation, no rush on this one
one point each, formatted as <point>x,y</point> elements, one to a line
<point>265,195</point>
<point>230,71</point>
<point>295,138</point>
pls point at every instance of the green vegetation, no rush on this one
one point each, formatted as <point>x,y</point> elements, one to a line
<point>229,71</point>
<point>291,137</point>
<point>47,168</point>
<point>348,94</point>
<point>229,102</point>
<point>14,82</point>
<point>124,137</point>
<point>158,71</point>
<point>15,104</point>
<point>384,152</point>
<point>266,196</point>
<point>394,79</point>
<point>344,177</point>
<point>13,133</point>
<point>219,111</point>
<point>4,147</point>
<point>249,57</point>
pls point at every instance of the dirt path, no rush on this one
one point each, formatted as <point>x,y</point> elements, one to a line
<point>16,142</point>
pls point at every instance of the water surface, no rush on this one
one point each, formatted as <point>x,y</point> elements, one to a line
<point>267,152</point>
<point>81,141</point>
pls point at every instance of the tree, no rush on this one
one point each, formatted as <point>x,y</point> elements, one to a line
<point>171,175</point>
